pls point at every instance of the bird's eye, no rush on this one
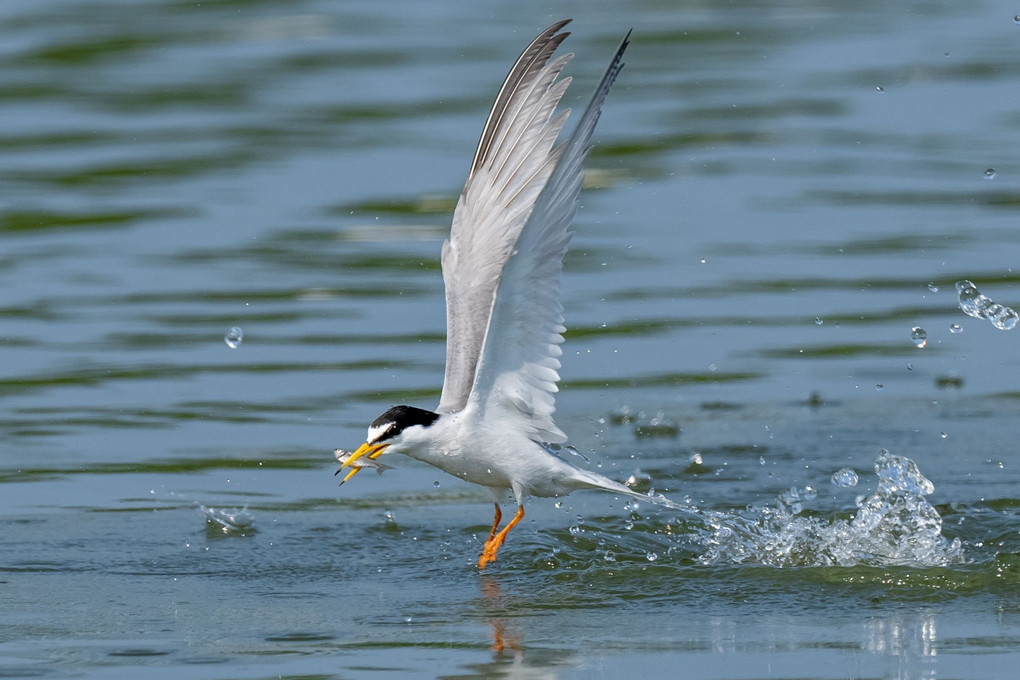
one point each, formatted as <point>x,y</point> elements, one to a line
<point>380,434</point>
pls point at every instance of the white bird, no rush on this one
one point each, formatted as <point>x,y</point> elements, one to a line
<point>502,267</point>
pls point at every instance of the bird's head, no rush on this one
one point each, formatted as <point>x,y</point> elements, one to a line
<point>389,430</point>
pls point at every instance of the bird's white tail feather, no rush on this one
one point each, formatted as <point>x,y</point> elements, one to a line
<point>599,482</point>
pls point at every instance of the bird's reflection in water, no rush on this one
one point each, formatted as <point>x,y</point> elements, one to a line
<point>510,659</point>
<point>505,632</point>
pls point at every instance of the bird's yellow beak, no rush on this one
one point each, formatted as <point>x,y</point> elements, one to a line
<point>373,451</point>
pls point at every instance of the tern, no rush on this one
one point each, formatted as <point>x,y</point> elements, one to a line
<point>502,267</point>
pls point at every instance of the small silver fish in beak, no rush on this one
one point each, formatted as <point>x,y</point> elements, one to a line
<point>359,463</point>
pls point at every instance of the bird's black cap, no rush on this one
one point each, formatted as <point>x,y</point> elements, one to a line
<point>398,418</point>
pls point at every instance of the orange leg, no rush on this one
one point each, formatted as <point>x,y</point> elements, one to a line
<point>492,545</point>
<point>495,523</point>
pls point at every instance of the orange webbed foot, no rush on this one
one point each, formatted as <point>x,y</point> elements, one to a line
<point>488,554</point>
<point>496,540</point>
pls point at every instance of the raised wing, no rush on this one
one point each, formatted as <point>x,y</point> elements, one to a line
<point>514,159</point>
<point>518,369</point>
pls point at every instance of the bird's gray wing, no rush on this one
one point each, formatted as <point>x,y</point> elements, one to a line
<point>517,373</point>
<point>514,159</point>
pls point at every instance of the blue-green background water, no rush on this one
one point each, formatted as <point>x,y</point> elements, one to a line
<point>779,194</point>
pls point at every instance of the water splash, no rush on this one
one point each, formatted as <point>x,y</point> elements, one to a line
<point>978,305</point>
<point>894,526</point>
<point>229,520</point>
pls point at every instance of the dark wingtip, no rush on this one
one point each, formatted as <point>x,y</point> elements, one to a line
<point>624,44</point>
<point>626,41</point>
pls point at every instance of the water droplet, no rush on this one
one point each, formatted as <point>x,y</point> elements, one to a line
<point>969,297</point>
<point>990,173</point>
<point>761,460</point>
<point>1016,19</point>
<point>622,415</point>
<point>819,321</point>
<point>898,473</point>
<point>573,451</point>
<point>1005,320</point>
<point>845,478</point>
<point>919,336</point>
<point>651,556</point>
<point>659,426</point>
<point>436,483</point>
<point>933,288</point>
<point>978,305</point>
<point>574,530</point>
<point>809,493</point>
<point>639,481</point>
<point>558,504</point>
<point>955,328</point>
<point>879,88</point>
<point>704,260</point>
<point>234,337</point>
<point>879,387</point>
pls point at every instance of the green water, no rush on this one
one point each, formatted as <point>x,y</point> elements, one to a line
<point>778,196</point>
